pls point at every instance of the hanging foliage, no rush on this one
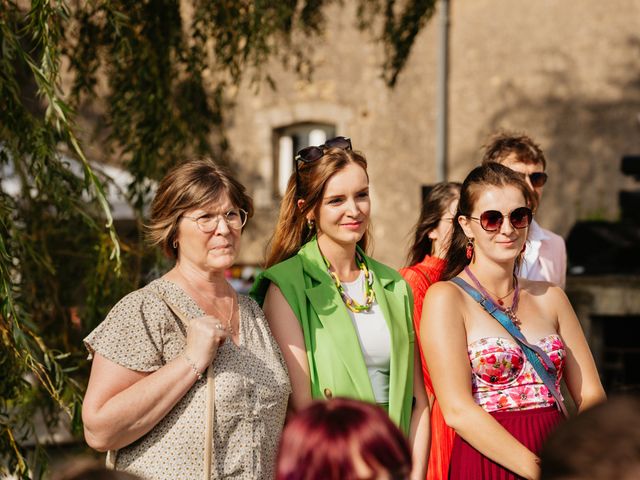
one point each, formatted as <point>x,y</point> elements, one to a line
<point>151,80</point>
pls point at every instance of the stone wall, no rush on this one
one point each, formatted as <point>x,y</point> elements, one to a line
<point>567,73</point>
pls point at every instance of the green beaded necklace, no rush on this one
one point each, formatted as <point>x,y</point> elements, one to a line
<point>369,294</point>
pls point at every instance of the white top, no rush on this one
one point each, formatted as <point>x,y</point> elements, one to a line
<point>545,257</point>
<point>374,337</point>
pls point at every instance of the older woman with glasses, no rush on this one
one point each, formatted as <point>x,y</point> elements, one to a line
<point>148,402</point>
<point>343,320</point>
<point>497,345</point>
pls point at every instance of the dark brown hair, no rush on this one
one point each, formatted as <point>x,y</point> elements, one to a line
<point>193,184</point>
<point>434,208</point>
<point>320,442</point>
<point>309,185</point>
<point>488,175</point>
<point>503,144</point>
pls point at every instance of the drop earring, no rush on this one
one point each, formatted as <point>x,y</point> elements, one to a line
<point>310,224</point>
<point>469,249</point>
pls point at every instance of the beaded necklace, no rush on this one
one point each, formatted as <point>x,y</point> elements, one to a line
<point>369,294</point>
<point>510,311</point>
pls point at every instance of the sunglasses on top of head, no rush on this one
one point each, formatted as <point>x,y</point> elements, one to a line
<point>538,179</point>
<point>491,220</point>
<point>311,154</point>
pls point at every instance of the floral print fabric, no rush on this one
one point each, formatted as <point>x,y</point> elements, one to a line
<point>504,380</point>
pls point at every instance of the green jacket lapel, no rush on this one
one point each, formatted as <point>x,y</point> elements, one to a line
<point>332,314</point>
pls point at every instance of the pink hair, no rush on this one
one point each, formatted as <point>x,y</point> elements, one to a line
<point>321,441</point>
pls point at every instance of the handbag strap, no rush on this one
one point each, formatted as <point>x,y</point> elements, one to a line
<point>210,397</point>
<point>538,358</point>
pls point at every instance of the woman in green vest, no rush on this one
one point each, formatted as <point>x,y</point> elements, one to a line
<point>343,321</point>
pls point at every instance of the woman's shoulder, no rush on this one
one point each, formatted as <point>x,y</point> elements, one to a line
<point>149,295</point>
<point>287,272</point>
<point>286,267</point>
<point>540,288</point>
<point>444,291</point>
<point>248,304</point>
<point>546,295</point>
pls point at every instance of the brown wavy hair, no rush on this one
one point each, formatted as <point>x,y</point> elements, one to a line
<point>308,185</point>
<point>434,207</point>
<point>488,175</point>
<point>503,144</point>
<point>193,184</point>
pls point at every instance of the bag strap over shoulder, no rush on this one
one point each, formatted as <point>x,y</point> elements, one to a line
<point>210,395</point>
<point>538,358</point>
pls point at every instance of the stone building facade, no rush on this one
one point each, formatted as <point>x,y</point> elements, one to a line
<point>567,73</point>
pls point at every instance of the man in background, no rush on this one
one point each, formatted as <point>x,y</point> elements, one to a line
<point>545,256</point>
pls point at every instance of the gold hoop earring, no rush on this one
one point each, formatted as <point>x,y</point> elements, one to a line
<point>175,244</point>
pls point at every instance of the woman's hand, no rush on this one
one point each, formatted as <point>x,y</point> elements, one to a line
<point>204,336</point>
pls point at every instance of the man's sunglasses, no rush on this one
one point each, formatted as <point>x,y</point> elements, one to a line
<point>538,179</point>
<point>491,220</point>
<point>311,154</point>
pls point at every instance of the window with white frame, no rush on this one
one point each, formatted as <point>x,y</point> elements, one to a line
<point>287,141</point>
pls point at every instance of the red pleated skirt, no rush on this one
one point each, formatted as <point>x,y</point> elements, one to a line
<point>530,427</point>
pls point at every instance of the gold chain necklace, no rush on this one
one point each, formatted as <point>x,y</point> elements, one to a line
<point>195,293</point>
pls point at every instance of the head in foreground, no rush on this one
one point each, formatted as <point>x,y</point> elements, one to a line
<point>342,439</point>
<point>601,443</point>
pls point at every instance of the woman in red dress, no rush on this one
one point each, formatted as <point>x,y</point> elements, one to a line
<point>426,263</point>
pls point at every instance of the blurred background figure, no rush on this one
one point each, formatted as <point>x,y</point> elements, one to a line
<point>602,443</point>
<point>545,257</point>
<point>426,263</point>
<point>342,439</point>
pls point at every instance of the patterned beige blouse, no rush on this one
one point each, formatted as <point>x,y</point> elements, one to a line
<point>251,389</point>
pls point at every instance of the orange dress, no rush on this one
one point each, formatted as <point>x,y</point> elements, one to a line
<point>420,277</point>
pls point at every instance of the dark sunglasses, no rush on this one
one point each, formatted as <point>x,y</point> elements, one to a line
<point>311,154</point>
<point>491,220</point>
<point>538,179</point>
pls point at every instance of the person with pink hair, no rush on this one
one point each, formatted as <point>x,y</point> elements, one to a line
<point>342,439</point>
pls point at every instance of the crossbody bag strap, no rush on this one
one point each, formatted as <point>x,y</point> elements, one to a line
<point>210,396</point>
<point>541,362</point>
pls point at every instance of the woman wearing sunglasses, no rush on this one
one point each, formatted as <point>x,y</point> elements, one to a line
<point>426,264</point>
<point>513,338</point>
<point>342,320</point>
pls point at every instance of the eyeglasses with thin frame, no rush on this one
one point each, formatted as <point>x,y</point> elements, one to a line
<point>312,154</point>
<point>235,218</point>
<point>491,220</point>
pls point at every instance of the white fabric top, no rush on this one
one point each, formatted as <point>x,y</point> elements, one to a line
<point>545,257</point>
<point>374,337</point>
